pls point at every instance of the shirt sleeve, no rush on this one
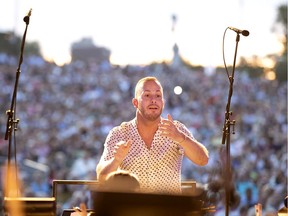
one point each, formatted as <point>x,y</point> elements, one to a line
<point>184,129</point>
<point>111,140</point>
<point>116,134</point>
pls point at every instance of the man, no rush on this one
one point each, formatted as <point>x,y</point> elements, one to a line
<point>121,181</point>
<point>150,146</point>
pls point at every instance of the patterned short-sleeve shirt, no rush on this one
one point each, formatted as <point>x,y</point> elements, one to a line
<point>158,168</point>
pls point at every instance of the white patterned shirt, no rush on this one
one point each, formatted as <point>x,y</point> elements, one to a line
<point>158,168</point>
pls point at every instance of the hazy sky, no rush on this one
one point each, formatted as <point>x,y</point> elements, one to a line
<point>140,31</point>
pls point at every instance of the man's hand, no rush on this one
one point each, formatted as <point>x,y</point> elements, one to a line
<point>121,150</point>
<point>168,129</point>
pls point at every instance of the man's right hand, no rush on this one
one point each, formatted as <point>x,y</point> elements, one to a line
<point>121,150</point>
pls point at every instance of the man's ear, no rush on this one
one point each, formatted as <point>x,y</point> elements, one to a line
<point>135,102</point>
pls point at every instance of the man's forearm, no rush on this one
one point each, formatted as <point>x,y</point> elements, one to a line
<point>106,167</point>
<point>195,151</point>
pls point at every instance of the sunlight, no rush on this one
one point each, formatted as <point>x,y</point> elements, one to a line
<point>270,75</point>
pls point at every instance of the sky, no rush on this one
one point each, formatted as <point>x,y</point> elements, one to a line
<point>139,32</point>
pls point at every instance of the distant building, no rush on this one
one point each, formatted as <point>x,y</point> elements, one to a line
<point>86,51</point>
<point>176,61</point>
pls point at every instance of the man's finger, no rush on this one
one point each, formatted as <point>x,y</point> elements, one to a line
<point>170,117</point>
<point>128,143</point>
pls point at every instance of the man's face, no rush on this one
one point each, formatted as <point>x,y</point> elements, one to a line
<point>149,100</point>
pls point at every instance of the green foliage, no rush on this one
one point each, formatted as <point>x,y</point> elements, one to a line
<point>281,69</point>
<point>281,65</point>
<point>282,17</point>
<point>11,44</point>
<point>252,71</point>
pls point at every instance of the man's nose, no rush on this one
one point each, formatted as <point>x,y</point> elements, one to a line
<point>153,99</point>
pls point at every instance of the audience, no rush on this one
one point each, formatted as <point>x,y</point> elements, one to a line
<point>66,112</point>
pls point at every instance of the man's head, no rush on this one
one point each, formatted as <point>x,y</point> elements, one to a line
<point>122,180</point>
<point>148,99</point>
<point>141,82</point>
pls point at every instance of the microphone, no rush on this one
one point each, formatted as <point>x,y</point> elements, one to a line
<point>27,17</point>
<point>238,31</point>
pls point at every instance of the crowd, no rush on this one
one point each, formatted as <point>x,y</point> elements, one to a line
<point>66,112</point>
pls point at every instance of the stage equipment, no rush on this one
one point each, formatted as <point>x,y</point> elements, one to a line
<point>161,203</point>
<point>30,206</point>
<point>228,123</point>
<point>12,121</point>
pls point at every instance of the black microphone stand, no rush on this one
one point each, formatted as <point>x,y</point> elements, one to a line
<point>12,121</point>
<point>226,134</point>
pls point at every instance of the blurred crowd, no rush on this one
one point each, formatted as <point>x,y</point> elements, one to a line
<point>66,112</point>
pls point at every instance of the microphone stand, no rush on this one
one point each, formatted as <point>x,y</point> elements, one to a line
<point>226,134</point>
<point>12,121</point>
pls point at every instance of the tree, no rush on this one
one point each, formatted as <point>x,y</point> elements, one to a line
<point>281,65</point>
<point>11,44</point>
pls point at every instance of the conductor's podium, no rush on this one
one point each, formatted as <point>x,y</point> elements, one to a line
<point>145,204</point>
<point>107,203</point>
